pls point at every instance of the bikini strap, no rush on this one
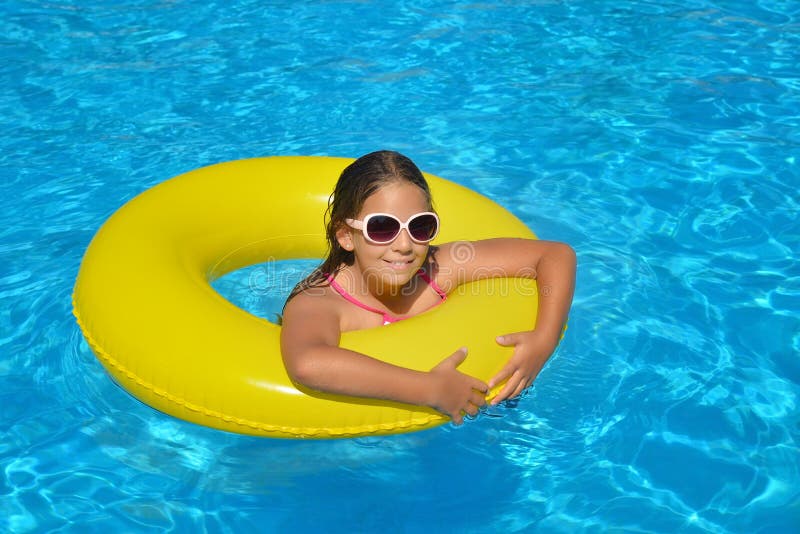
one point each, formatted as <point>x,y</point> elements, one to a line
<point>434,285</point>
<point>387,318</point>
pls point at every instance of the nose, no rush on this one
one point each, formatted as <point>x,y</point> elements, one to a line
<point>403,242</point>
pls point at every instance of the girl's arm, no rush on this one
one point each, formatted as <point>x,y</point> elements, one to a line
<point>553,266</point>
<point>309,344</point>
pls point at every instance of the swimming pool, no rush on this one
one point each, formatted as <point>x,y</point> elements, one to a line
<point>659,139</point>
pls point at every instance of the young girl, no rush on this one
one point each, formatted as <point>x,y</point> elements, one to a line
<point>381,269</point>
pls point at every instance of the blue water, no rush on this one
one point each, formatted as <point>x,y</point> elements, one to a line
<point>660,139</point>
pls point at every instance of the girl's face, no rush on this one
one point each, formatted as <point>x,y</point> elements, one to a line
<point>391,265</point>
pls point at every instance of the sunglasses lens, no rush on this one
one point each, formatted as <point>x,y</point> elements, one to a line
<point>382,229</point>
<point>423,227</point>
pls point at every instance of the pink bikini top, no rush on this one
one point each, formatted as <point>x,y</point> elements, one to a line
<point>387,318</point>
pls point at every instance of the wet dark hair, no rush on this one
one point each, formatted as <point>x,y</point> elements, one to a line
<point>358,181</point>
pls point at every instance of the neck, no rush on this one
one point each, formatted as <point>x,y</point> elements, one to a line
<point>360,285</point>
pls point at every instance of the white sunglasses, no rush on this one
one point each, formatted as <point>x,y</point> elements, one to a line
<point>382,228</point>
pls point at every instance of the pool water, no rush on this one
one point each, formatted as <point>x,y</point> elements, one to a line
<point>660,139</point>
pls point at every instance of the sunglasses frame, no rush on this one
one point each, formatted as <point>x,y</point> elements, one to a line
<point>362,224</point>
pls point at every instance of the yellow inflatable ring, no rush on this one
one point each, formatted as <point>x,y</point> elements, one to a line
<point>145,305</point>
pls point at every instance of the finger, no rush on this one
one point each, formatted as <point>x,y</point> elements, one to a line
<point>458,357</point>
<point>502,394</point>
<point>519,389</point>
<point>529,381</point>
<point>454,360</point>
<point>480,386</point>
<point>507,340</point>
<point>478,399</point>
<point>471,410</point>
<point>457,418</point>
<point>507,390</point>
<point>502,375</point>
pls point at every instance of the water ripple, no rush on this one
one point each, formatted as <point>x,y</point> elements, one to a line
<point>658,139</point>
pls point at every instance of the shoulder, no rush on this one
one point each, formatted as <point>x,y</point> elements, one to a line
<point>316,300</point>
<point>312,314</point>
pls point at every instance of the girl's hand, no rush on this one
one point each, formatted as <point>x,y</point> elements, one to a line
<point>531,351</point>
<point>453,393</point>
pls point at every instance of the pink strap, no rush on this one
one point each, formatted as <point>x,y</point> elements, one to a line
<point>439,291</point>
<point>387,318</point>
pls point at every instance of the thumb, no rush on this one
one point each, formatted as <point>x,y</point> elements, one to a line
<point>507,340</point>
<point>458,357</point>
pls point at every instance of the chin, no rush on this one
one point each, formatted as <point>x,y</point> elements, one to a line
<point>392,278</point>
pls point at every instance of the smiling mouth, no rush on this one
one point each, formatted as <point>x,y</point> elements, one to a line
<point>399,264</point>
